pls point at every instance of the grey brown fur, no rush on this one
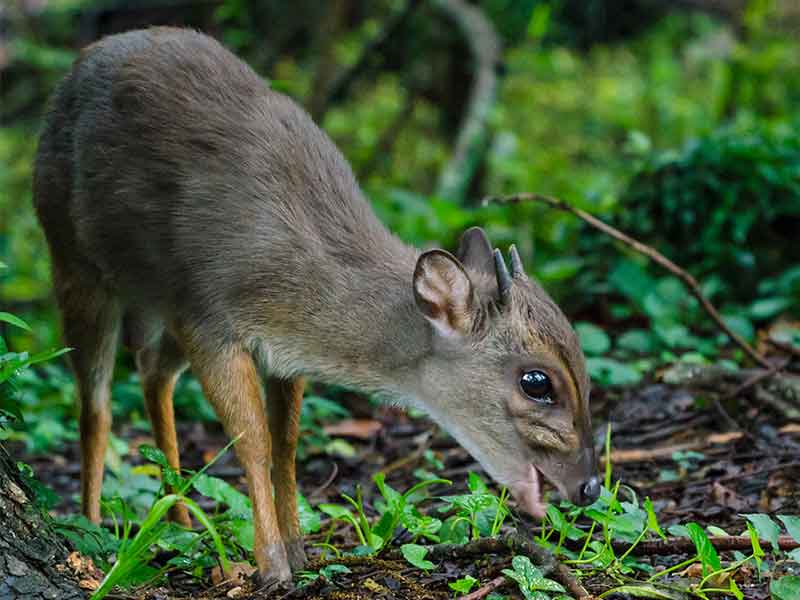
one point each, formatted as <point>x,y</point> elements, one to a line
<point>206,220</point>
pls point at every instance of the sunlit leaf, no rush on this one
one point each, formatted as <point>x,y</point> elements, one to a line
<point>767,528</point>
<point>785,588</point>
<point>792,524</point>
<point>415,554</point>
<point>705,550</point>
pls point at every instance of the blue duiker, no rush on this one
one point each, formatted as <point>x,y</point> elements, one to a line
<point>203,219</point>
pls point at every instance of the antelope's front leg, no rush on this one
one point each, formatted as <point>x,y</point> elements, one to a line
<point>233,387</point>
<point>284,399</point>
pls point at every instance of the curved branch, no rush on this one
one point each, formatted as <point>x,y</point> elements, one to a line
<point>689,281</point>
<point>486,49</point>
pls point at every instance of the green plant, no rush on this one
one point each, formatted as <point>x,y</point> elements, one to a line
<point>133,554</point>
<point>396,510</point>
<point>463,585</point>
<point>415,555</point>
<point>531,582</point>
<point>479,513</point>
<point>728,203</point>
<point>628,521</point>
<point>12,365</point>
<point>328,572</point>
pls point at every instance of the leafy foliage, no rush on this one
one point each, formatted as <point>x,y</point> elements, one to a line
<point>728,204</point>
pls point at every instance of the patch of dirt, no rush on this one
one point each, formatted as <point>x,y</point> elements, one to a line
<point>718,475</point>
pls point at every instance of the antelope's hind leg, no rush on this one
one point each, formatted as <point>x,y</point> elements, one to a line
<point>160,365</point>
<point>284,400</point>
<point>91,318</point>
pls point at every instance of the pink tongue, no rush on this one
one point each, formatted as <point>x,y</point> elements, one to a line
<point>529,495</point>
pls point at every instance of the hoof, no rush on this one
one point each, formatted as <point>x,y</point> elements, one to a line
<point>273,568</point>
<point>270,581</point>
<point>296,554</point>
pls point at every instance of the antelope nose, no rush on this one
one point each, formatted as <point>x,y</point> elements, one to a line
<point>590,491</point>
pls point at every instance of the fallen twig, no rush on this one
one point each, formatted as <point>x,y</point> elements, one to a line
<point>634,455</point>
<point>789,348</point>
<point>324,485</point>
<point>659,488</point>
<point>485,590</point>
<point>651,253</point>
<point>757,377</point>
<point>513,543</point>
<point>681,545</point>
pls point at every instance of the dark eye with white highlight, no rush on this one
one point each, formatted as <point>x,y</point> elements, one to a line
<point>537,386</point>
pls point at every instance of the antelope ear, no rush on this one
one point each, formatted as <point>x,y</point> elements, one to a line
<point>475,251</point>
<point>443,292</point>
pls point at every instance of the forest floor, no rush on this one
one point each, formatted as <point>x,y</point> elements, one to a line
<point>694,465</point>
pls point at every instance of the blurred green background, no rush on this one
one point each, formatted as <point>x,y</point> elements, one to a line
<point>677,122</point>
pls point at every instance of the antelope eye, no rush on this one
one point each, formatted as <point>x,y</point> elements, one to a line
<point>537,386</point>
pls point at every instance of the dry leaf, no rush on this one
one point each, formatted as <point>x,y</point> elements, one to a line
<point>237,572</point>
<point>362,429</point>
<point>725,496</point>
<point>89,584</point>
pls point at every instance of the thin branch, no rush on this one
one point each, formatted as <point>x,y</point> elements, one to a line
<point>486,48</point>
<point>646,250</point>
<point>513,543</point>
<point>485,590</point>
<point>680,545</point>
<point>758,377</point>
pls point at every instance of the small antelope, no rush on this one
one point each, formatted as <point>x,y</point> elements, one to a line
<point>205,220</point>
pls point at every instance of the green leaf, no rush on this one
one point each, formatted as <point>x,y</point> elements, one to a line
<point>607,371</point>
<point>594,340</point>
<point>331,570</point>
<point>643,590</point>
<point>785,588</point>
<point>244,532</point>
<point>740,326</point>
<point>476,485</point>
<point>463,585</point>
<point>546,585</point>
<point>768,307</point>
<point>223,492</point>
<point>12,320</point>
<point>637,340</point>
<point>718,531</point>
<point>309,518</point>
<point>530,579</point>
<point>153,455</point>
<point>767,528</point>
<point>652,520</point>
<point>734,589</point>
<point>758,552</point>
<point>632,280</point>
<point>705,550</point>
<point>336,511</point>
<point>792,525</point>
<point>415,554</point>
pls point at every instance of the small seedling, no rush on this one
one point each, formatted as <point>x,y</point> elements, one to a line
<point>463,585</point>
<point>531,582</point>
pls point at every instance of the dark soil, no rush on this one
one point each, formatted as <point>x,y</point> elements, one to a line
<point>754,469</point>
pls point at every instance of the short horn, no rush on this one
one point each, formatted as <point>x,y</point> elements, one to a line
<point>503,277</point>
<point>517,270</point>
